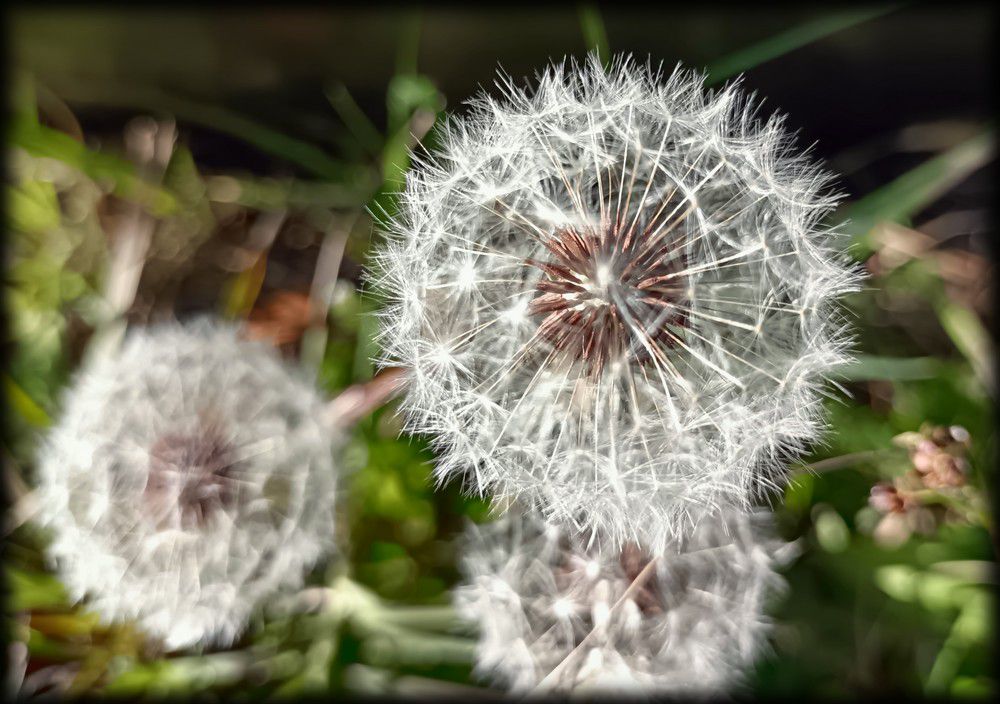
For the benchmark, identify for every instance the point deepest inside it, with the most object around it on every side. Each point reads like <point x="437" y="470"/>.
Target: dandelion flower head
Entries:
<point x="615" y="298"/>
<point x="559" y="612"/>
<point x="188" y="478"/>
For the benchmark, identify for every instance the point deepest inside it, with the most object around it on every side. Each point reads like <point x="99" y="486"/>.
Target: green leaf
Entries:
<point x="973" y="624"/>
<point x="934" y="590"/>
<point x="832" y="532"/>
<point x="898" y="581"/>
<point x="940" y="592"/>
<point x="916" y="189"/>
<point x="136" y="679"/>
<point x="65" y="625"/>
<point x="973" y="688"/>
<point x="42" y="141"/>
<point x="790" y="40"/>
<point x="242" y="290"/>
<point x="972" y="571"/>
<point x="33" y="590"/>
<point x="798" y="493"/>
<point x="44" y="648"/>
<point x="406" y="94"/>
<point x="182" y="178"/>
<point x="25" y="406"/>
<point x="33" y="207"/>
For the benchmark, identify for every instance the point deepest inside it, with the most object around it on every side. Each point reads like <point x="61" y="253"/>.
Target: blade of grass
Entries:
<point x="949" y="658"/>
<point x="23" y="99"/>
<point x="242" y="292"/>
<point x="302" y="153"/>
<point x="409" y="45"/>
<point x="284" y="194"/>
<point x="243" y="289"/>
<point x="906" y="196"/>
<point x="25" y="406"/>
<point x="889" y="368"/>
<point x="57" y="113"/>
<point x="916" y="189"/>
<point x="969" y="336"/>
<point x="595" y="34"/>
<point x="396" y="154"/>
<point x="355" y="119"/>
<point x="42" y="141"/>
<point x="790" y="40"/>
<point x="33" y="590"/>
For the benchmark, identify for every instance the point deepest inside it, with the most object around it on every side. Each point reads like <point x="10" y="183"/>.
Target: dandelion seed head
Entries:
<point x="693" y="627"/>
<point x="637" y="291"/>
<point x="187" y="479"/>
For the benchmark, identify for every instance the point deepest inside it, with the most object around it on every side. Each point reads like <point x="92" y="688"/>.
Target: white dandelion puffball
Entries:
<point x="189" y="477"/>
<point x="556" y="611"/>
<point x="614" y="299"/>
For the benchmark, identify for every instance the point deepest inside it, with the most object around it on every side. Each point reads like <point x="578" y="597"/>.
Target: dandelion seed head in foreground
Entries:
<point x="695" y="624"/>
<point x="615" y="299"/>
<point x="188" y="478"/>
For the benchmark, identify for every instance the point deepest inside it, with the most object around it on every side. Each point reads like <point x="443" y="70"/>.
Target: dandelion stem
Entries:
<point x="150" y="146"/>
<point x="357" y="401"/>
<point x="842" y="461"/>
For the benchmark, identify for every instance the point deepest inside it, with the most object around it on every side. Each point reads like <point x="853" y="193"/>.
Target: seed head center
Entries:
<point x="191" y="477"/>
<point x="607" y="295"/>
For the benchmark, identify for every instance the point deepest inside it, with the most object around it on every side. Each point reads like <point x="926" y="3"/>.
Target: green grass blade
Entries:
<point x="354" y="118"/>
<point x="408" y="49"/>
<point x="866" y="367"/>
<point x="25" y="406"/>
<point x="595" y="34"/>
<point x="33" y="590"/>
<point x="792" y="39"/>
<point x="304" y="154"/>
<point x="969" y="336"/>
<point x="916" y="189"/>
<point x="23" y="99"/>
<point x="39" y="140"/>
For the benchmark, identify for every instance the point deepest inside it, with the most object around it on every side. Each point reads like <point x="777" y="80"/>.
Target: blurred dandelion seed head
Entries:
<point x="693" y="626"/>
<point x="615" y="299"/>
<point x="188" y="478"/>
<point x="191" y="476"/>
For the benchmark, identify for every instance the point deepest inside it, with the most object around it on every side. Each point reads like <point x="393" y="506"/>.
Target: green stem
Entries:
<point x="595" y="34"/>
<point x="398" y="647"/>
<point x="842" y="461"/>
<point x="424" y="618"/>
<point x="947" y="662"/>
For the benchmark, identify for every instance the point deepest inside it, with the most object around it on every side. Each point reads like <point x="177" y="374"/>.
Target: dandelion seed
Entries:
<point x="693" y="626"/>
<point x="637" y="297"/>
<point x="187" y="479"/>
